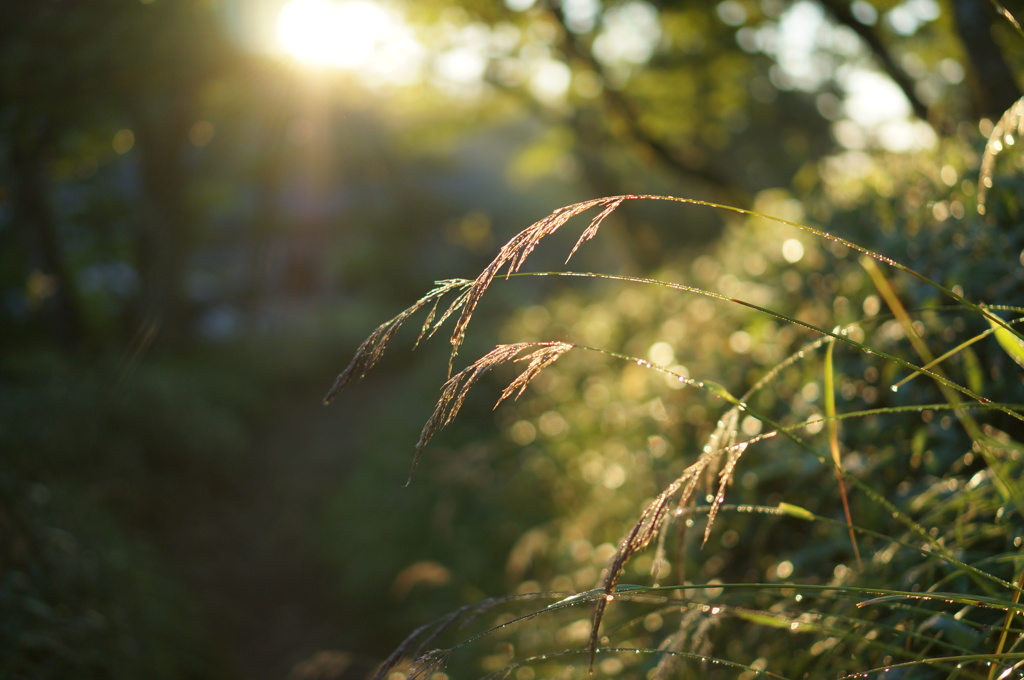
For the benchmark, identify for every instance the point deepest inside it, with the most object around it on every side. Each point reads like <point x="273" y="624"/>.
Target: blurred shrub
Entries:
<point x="99" y="464"/>
<point x="593" y="441"/>
<point x="80" y="598"/>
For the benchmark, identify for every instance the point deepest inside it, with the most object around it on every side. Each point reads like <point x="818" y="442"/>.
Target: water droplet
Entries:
<point x="800" y="354"/>
<point x="895" y="388"/>
<point x="609" y="598"/>
<point x="716" y="610"/>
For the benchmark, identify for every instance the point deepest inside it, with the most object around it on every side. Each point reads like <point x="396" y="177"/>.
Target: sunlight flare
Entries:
<point x="352" y="34"/>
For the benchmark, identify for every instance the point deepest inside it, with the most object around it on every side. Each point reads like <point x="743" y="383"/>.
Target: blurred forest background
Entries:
<point x="205" y="205"/>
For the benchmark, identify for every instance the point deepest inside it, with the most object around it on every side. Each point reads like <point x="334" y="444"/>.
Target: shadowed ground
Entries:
<point x="249" y="555"/>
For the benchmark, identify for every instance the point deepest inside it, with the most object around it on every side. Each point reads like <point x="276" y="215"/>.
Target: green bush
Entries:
<point x="100" y="463"/>
<point x="760" y="437"/>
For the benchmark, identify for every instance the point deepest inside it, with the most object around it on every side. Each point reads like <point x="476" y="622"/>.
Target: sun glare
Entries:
<point x="349" y="34"/>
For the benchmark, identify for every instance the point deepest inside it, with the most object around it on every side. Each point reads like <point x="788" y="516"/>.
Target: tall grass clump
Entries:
<point x="797" y="455"/>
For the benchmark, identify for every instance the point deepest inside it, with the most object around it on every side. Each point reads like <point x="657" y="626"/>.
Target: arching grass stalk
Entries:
<point x="834" y="335"/>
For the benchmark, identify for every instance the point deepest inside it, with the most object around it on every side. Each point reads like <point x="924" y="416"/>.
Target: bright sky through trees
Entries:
<point x="371" y="39"/>
<point x="360" y="35"/>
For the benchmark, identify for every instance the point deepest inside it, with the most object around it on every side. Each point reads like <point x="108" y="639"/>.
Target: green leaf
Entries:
<point x="765" y="619"/>
<point x="1010" y="343"/>
<point x="974" y="372"/>
<point x="796" y="511"/>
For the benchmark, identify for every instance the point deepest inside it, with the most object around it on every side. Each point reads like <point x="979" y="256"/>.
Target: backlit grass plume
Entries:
<point x="455" y="389"/>
<point x="372" y="349"/>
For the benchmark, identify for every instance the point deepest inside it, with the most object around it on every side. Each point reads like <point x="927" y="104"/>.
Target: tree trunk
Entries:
<point x="51" y="289"/>
<point x="167" y="233"/>
<point x="993" y="87"/>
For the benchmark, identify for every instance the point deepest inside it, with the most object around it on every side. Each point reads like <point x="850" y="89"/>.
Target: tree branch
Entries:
<point x="690" y="163"/>
<point x="840" y="11"/>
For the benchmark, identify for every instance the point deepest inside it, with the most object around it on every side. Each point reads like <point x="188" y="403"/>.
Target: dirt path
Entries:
<point x="248" y="554"/>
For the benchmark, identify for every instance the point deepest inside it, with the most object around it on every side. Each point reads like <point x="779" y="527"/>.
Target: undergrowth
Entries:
<point x="103" y="463"/>
<point x="816" y="435"/>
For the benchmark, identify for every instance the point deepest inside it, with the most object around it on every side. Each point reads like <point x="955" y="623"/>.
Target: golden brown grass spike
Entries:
<point x="721" y="442"/>
<point x="455" y="389"/>
<point x="638" y="538"/>
<point x="539" y="359"/>
<point x="595" y="224"/>
<point x="1008" y="130"/>
<point x="372" y="349"/>
<point x="513" y="254"/>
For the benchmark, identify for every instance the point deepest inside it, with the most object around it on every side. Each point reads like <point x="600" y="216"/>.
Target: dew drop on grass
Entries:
<point x="895" y="388"/>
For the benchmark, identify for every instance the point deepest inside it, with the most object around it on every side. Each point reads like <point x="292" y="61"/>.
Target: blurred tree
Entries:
<point x="722" y="101"/>
<point x="992" y="86"/>
<point x="714" y="102"/>
<point x="169" y="57"/>
<point x="70" y="75"/>
<point x="40" y="99"/>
